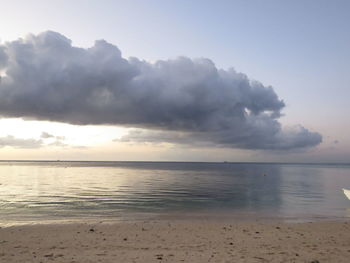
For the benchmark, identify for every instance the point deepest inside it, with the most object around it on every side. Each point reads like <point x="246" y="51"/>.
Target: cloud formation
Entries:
<point x="180" y="100"/>
<point x="58" y="140"/>
<point x="20" y="143"/>
<point x="46" y="135"/>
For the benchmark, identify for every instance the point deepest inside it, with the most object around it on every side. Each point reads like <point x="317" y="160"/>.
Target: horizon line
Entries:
<point x="143" y="161"/>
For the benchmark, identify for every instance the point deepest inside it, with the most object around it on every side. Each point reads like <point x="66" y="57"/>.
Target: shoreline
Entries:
<point x="210" y="216"/>
<point x="169" y="240"/>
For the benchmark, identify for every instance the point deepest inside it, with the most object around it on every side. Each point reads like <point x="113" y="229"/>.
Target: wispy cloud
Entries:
<point x="180" y="100"/>
<point x="46" y="135"/>
<point x="14" y="142"/>
<point x="58" y="140"/>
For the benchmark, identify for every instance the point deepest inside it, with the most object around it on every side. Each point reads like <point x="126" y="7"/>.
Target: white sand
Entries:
<point x="177" y="241"/>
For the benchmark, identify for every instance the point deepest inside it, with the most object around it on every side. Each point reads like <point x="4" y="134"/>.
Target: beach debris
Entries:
<point x="92" y="230"/>
<point x="49" y="255"/>
<point x="125" y="239"/>
<point x="315" y="261"/>
<point x="159" y="256"/>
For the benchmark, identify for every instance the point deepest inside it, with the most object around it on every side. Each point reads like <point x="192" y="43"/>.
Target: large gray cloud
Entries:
<point x="47" y="78"/>
<point x="3" y="58"/>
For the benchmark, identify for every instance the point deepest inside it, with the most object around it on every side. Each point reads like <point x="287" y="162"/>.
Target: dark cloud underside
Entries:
<point x="180" y="100"/>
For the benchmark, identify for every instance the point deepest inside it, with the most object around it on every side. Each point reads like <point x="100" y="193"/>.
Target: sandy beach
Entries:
<point x="177" y="241"/>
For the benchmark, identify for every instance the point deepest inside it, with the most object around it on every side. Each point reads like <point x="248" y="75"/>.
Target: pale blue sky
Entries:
<point x="301" y="48"/>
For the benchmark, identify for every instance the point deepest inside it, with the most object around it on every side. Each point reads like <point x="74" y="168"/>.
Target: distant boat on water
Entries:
<point x="347" y="193"/>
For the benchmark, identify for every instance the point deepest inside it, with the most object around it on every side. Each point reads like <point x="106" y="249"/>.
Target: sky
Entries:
<point x="175" y="80"/>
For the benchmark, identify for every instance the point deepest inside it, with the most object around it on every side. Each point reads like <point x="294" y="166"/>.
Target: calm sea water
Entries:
<point x="45" y="191"/>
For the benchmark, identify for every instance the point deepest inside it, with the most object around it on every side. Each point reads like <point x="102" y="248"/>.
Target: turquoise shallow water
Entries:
<point x="46" y="191"/>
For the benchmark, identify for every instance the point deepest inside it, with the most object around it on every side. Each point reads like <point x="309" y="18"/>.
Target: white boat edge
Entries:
<point x="347" y="193"/>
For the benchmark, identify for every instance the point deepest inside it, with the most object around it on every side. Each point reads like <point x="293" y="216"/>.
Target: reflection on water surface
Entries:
<point x="68" y="190"/>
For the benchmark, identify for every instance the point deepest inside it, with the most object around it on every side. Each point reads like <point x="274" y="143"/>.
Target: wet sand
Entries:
<point x="177" y="241"/>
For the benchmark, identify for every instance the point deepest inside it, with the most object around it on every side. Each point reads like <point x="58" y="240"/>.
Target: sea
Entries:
<point x="62" y="191"/>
